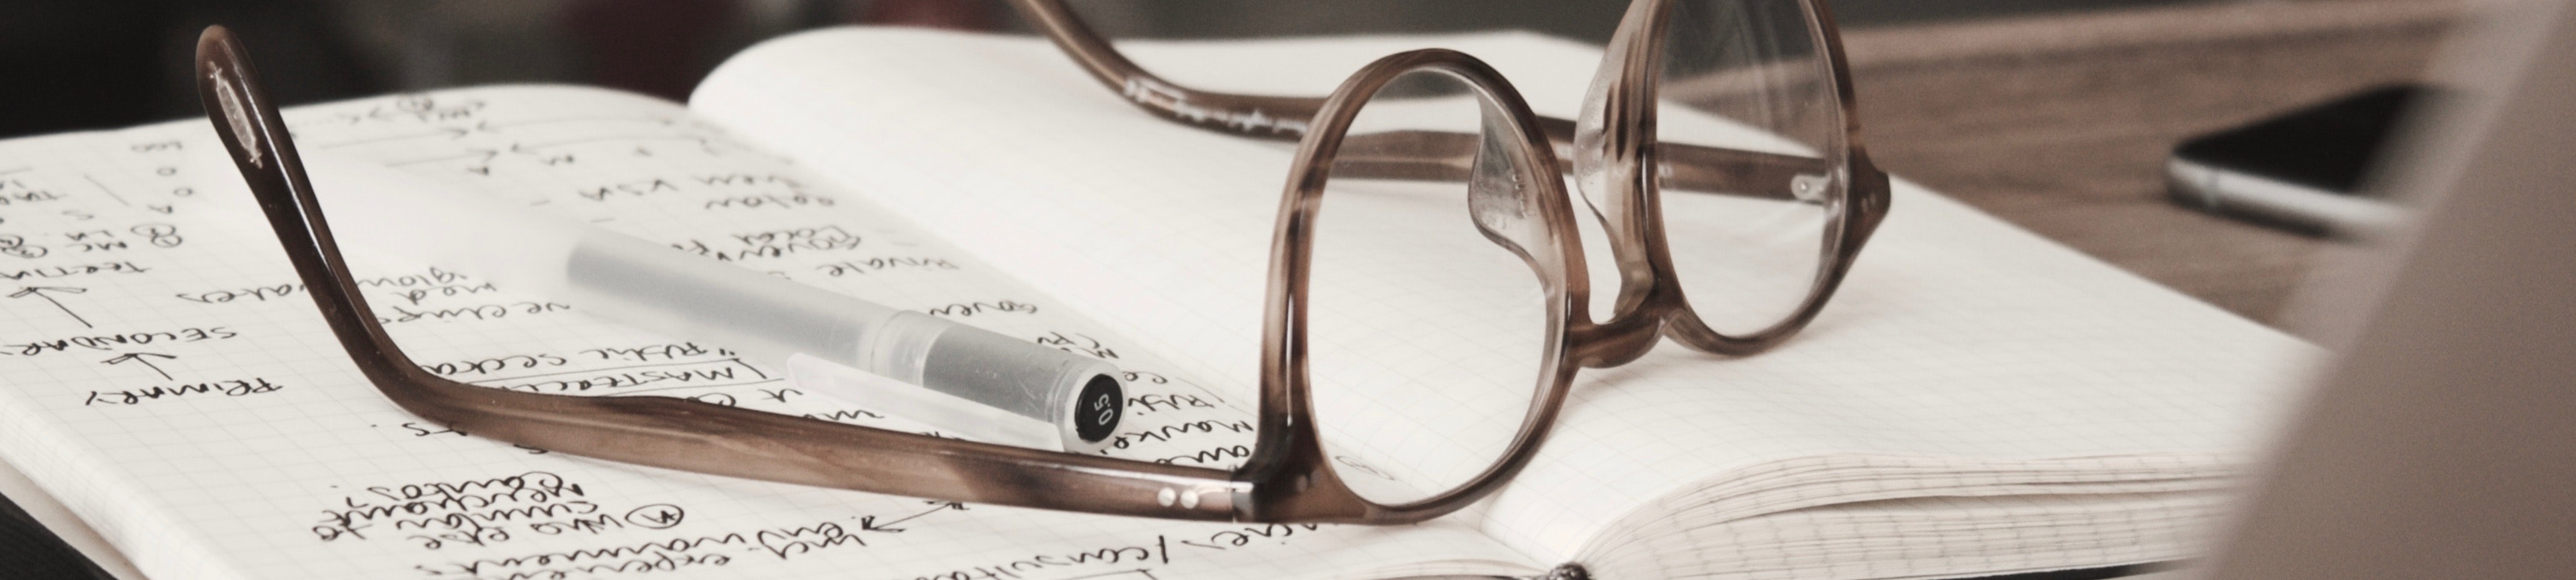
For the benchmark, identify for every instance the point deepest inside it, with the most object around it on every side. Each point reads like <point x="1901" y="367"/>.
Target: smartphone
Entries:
<point x="2301" y="170"/>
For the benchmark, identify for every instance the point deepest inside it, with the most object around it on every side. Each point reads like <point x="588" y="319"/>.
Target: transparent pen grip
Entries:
<point x="790" y="325"/>
<point x="764" y="318"/>
<point x="770" y="319"/>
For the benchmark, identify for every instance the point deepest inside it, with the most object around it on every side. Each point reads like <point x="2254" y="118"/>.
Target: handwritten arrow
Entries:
<point x="451" y="133"/>
<point x="870" y="523"/>
<point x="480" y="155"/>
<point x="39" y="292"/>
<point x="491" y="127"/>
<point x="138" y="357"/>
<point x="102" y="188"/>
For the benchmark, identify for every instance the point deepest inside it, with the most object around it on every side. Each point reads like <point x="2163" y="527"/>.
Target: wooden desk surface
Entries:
<point x="2062" y="124"/>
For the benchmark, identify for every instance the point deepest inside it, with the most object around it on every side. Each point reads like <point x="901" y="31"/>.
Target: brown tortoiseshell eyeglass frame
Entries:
<point x="1288" y="478"/>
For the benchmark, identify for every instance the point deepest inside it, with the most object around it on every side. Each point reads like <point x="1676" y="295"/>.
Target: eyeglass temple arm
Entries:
<point x="1279" y="118"/>
<point x="1445" y="156"/>
<point x="661" y="431"/>
<point x="1686" y="167"/>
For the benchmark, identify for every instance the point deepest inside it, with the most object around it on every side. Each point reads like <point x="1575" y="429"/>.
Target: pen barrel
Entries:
<point x="771" y="320"/>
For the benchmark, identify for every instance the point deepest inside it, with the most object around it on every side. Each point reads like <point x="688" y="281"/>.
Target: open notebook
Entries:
<point x="1978" y="400"/>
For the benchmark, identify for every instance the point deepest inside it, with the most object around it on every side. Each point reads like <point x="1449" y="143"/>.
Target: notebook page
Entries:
<point x="172" y="384"/>
<point x="1958" y="336"/>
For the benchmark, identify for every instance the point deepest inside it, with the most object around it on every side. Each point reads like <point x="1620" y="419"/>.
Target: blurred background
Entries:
<point x="106" y="63"/>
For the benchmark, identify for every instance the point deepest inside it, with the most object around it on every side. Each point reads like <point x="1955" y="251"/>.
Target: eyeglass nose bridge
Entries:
<point x="1617" y="341"/>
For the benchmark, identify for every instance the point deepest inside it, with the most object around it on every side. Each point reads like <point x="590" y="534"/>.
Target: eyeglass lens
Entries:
<point x="1747" y="74"/>
<point x="1428" y="341"/>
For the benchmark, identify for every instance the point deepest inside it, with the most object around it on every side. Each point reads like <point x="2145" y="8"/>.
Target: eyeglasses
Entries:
<point x="1771" y="200"/>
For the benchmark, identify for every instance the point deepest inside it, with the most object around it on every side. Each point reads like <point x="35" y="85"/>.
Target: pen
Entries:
<point x="959" y="379"/>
